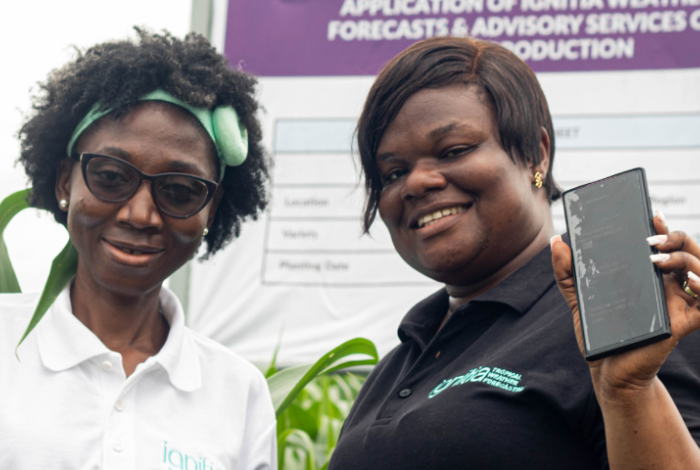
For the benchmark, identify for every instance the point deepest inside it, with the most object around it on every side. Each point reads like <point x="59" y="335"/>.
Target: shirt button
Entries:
<point x="405" y="392"/>
<point x="106" y="365"/>
<point x="118" y="446"/>
<point x="120" y="406"/>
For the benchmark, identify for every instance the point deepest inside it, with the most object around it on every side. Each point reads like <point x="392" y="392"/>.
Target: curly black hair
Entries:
<point x="116" y="74"/>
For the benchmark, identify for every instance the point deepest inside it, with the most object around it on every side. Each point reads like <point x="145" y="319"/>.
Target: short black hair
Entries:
<point x="116" y="74"/>
<point x="510" y="86"/>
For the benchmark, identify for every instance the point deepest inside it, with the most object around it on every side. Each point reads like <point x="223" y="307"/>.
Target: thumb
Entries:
<point x="563" y="273"/>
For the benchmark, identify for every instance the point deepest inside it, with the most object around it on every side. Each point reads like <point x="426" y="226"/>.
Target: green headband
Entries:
<point x="222" y="124"/>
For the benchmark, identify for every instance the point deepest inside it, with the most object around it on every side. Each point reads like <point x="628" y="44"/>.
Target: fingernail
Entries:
<point x="662" y="217"/>
<point x="659" y="257"/>
<point x="657" y="240"/>
<point x="554" y="239"/>
<point x="693" y="277"/>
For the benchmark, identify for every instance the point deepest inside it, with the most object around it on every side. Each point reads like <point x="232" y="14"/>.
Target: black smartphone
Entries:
<point x="622" y="304"/>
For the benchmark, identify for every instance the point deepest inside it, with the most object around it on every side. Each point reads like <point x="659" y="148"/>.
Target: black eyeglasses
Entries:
<point x="176" y="194"/>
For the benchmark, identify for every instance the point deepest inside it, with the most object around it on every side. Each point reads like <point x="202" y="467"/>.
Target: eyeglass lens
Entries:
<point x="113" y="181"/>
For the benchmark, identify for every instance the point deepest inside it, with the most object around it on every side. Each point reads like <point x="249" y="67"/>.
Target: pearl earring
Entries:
<point x="63" y="203"/>
<point x="206" y="231"/>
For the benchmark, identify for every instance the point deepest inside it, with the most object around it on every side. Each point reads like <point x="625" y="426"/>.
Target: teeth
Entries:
<point x="131" y="252"/>
<point x="430" y="219"/>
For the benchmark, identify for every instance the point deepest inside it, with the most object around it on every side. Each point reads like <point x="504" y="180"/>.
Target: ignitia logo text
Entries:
<point x="174" y="459"/>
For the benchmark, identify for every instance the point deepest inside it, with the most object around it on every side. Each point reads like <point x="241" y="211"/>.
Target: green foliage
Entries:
<point x="62" y="268"/>
<point x="312" y="402"/>
<point x="62" y="271"/>
<point x="308" y="430"/>
<point x="288" y="383"/>
<point x="9" y="207"/>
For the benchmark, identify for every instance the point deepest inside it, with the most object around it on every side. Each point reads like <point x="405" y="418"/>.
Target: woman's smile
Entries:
<point x="430" y="219"/>
<point x="453" y="198"/>
<point x="130" y="245"/>
<point x="127" y="254"/>
<point x="436" y="221"/>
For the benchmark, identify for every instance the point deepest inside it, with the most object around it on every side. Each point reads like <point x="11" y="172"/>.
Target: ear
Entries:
<point x="214" y="205"/>
<point x="545" y="146"/>
<point x="63" y="180"/>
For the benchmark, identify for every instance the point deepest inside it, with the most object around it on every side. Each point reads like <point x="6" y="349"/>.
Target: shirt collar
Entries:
<point x="525" y="286"/>
<point x="520" y="291"/>
<point x="64" y="341"/>
<point x="179" y="356"/>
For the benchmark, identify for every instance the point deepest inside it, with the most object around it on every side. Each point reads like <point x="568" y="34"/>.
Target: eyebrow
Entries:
<point x="175" y="166"/>
<point x="116" y="152"/>
<point x="384" y="156"/>
<point x="434" y="134"/>
<point x="442" y="130"/>
<point x="180" y="165"/>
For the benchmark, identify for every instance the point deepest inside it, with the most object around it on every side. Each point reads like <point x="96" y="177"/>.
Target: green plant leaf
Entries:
<point x="9" y="207"/>
<point x="281" y="446"/>
<point x="272" y="368"/>
<point x="286" y="384"/>
<point x="299" y="439"/>
<point x="296" y="417"/>
<point x="319" y="410"/>
<point x="62" y="271"/>
<point x="302" y="440"/>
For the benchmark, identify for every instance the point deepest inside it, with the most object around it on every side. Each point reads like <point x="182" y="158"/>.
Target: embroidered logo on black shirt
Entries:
<point x="495" y="377"/>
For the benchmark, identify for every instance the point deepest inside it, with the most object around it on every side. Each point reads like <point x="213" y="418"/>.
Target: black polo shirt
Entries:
<point x="501" y="386"/>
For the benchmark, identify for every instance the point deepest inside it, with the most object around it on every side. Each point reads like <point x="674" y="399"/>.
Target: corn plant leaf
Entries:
<point x="299" y="439"/>
<point x="296" y="417"/>
<point x="272" y="368"/>
<point x="286" y="384"/>
<point x="62" y="271"/>
<point x="281" y="446"/>
<point x="9" y="207"/>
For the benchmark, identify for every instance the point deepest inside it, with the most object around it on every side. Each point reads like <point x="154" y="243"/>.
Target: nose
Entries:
<point x="140" y="210"/>
<point x="423" y="178"/>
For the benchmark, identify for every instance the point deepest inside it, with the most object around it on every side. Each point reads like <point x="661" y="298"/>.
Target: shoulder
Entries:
<point x="17" y="304"/>
<point x="220" y="361"/>
<point x="548" y="324"/>
<point x="15" y="312"/>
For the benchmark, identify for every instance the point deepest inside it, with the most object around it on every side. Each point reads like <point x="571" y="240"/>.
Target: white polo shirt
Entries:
<point x="67" y="403"/>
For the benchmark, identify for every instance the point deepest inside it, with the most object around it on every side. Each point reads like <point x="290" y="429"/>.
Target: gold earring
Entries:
<point x="63" y="203"/>
<point x="538" y="180"/>
<point x="206" y="231"/>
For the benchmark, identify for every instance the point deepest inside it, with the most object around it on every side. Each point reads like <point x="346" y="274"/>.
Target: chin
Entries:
<point x="130" y="286"/>
<point x="443" y="268"/>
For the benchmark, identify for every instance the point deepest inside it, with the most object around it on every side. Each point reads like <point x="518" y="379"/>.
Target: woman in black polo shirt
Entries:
<point x="457" y="145"/>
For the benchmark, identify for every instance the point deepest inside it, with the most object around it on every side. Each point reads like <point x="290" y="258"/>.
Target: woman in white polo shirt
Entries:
<point x="144" y="149"/>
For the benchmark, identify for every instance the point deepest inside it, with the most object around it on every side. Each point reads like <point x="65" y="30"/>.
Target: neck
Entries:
<point x="461" y="294"/>
<point x="125" y="324"/>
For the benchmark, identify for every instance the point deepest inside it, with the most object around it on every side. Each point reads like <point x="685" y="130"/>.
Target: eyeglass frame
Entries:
<point x="85" y="158"/>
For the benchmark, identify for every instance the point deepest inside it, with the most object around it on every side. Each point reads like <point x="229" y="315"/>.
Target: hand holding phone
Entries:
<point x="643" y="425"/>
<point x="638" y="367"/>
<point x="620" y="292"/>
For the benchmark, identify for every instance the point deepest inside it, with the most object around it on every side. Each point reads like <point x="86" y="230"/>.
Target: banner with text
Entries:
<point x="304" y="271"/>
<point x="357" y="37"/>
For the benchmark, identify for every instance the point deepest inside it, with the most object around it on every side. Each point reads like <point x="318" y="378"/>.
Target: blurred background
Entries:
<point x="622" y="81"/>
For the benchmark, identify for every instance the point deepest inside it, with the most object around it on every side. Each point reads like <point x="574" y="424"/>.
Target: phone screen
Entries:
<point x="620" y="291"/>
